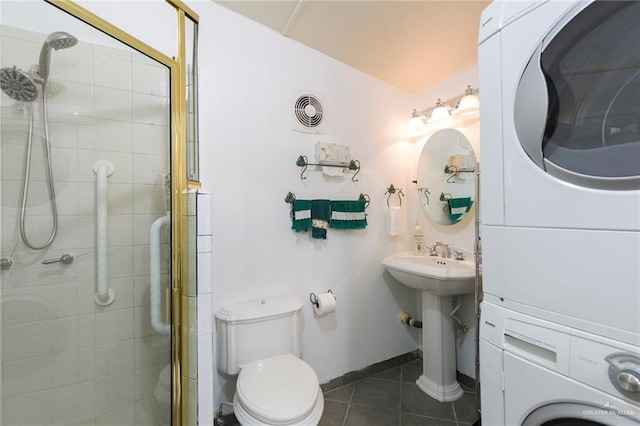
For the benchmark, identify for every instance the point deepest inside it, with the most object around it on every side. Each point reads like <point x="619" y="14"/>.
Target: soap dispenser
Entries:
<point x="418" y="240"/>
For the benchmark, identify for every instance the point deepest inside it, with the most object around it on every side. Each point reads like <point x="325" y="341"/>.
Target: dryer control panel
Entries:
<point x="610" y="366"/>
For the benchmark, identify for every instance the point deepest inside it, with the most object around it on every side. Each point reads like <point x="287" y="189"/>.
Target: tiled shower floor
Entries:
<point x="391" y="398"/>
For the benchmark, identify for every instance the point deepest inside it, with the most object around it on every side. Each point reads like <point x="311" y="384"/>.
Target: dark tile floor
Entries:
<point x="392" y="398"/>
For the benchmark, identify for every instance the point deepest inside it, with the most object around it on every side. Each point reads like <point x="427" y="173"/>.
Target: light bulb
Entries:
<point x="415" y="126"/>
<point x="469" y="105"/>
<point x="440" y="115"/>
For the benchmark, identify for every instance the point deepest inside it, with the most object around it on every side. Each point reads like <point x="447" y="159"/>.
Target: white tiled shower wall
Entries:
<point x="65" y="359"/>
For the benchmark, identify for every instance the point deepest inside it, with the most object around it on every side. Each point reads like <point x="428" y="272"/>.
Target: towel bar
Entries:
<point x="304" y="163"/>
<point x="290" y="198"/>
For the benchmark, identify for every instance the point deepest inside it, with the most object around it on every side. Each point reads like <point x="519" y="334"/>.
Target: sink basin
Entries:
<point x="438" y="280"/>
<point x="439" y="276"/>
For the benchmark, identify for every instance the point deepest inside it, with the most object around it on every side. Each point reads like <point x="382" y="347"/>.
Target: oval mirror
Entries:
<point x="445" y="176"/>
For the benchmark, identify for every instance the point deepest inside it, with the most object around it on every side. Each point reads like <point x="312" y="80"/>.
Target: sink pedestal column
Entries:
<point x="438" y="379"/>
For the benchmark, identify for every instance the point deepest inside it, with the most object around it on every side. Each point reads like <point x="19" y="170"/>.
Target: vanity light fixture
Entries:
<point x="416" y="125"/>
<point x="440" y="116"/>
<point x="461" y="107"/>
<point x="469" y="105"/>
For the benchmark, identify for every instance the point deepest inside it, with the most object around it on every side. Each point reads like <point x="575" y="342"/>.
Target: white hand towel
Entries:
<point x="395" y="224"/>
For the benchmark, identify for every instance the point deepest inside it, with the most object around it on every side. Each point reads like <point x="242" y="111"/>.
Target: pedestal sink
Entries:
<point x="438" y="279"/>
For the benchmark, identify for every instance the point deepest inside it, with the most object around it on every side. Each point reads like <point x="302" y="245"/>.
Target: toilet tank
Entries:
<point x="250" y="331"/>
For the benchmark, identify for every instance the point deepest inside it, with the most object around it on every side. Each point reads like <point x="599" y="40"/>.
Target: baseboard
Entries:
<point x="354" y="376"/>
<point x="465" y="380"/>
<point x="227" y="420"/>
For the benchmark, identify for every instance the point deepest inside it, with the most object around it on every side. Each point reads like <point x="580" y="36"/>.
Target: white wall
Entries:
<point x="247" y="156"/>
<point x="462" y="233"/>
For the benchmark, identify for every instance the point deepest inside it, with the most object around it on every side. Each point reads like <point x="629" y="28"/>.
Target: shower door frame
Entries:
<point x="180" y="184"/>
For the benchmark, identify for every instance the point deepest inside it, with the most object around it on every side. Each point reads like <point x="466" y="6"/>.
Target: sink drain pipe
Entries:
<point x="406" y="319"/>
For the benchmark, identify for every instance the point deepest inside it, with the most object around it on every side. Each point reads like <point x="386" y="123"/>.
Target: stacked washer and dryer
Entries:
<point x="560" y="212"/>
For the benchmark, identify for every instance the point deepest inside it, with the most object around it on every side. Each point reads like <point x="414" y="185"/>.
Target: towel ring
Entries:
<point x="392" y="190"/>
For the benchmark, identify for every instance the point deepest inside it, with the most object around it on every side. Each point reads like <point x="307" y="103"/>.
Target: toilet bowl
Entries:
<point x="261" y="341"/>
<point x="282" y="390"/>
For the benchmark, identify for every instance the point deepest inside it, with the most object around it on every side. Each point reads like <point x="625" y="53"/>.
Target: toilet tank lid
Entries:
<point x="259" y="309"/>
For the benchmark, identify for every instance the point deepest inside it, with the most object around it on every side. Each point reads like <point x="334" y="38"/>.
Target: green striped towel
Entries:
<point x="458" y="207"/>
<point x="301" y="215"/>
<point x="348" y="215"/>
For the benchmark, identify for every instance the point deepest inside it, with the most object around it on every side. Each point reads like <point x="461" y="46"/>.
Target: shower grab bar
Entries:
<point x="159" y="325"/>
<point x="104" y="295"/>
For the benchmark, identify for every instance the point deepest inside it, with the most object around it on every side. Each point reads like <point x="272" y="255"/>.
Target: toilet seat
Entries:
<point x="282" y="390"/>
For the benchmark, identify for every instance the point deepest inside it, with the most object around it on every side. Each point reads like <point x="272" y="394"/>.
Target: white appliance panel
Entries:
<point x="489" y="21"/>
<point x="580" y="274"/>
<point x="501" y="13"/>
<point x="492" y="201"/>
<point x="491" y="397"/>
<point x="512" y="10"/>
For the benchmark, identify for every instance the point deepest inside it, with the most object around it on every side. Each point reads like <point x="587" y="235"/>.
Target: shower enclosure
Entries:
<point x="85" y="142"/>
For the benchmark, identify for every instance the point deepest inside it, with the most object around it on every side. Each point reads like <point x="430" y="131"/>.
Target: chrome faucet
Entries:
<point x="444" y="249"/>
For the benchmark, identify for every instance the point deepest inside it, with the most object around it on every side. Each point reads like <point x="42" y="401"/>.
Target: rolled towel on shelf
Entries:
<point x="395" y="224"/>
<point x="348" y="214"/>
<point x="320" y="216"/>
<point x="301" y="215"/>
<point x="333" y="154"/>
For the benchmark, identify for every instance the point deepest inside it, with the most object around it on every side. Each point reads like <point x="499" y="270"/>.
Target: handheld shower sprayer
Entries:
<point x="22" y="86"/>
<point x="57" y="40"/>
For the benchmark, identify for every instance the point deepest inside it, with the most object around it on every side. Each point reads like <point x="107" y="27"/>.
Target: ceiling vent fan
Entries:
<point x="309" y="113"/>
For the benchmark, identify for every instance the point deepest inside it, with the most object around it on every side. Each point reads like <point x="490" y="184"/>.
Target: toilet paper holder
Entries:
<point x="314" y="299"/>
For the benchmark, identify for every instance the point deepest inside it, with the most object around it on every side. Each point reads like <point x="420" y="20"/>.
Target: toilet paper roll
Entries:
<point x="326" y="304"/>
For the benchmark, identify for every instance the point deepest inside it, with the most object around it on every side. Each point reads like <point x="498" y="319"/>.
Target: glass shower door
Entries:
<point x="85" y="225"/>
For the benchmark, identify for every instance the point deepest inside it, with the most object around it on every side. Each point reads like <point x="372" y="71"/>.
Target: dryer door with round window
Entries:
<point x="586" y="76"/>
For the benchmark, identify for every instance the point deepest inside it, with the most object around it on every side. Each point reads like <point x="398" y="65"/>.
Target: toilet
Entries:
<point x="261" y="341"/>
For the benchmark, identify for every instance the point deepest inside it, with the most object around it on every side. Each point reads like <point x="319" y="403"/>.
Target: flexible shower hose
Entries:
<point x="27" y="172"/>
